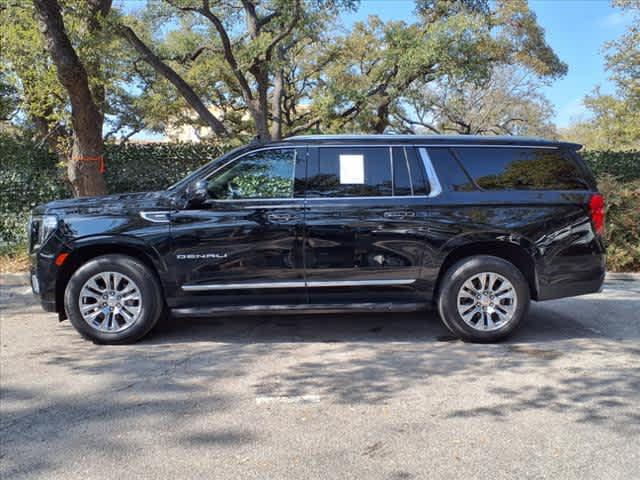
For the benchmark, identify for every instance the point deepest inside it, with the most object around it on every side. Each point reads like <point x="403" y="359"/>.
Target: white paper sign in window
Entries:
<point x="351" y="169"/>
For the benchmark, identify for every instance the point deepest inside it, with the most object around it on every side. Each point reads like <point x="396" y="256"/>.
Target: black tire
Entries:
<point x="151" y="295"/>
<point x="466" y="269"/>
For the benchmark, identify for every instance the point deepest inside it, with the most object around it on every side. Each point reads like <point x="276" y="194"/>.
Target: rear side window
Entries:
<point x="449" y="170"/>
<point x="350" y="172"/>
<point x="521" y="169"/>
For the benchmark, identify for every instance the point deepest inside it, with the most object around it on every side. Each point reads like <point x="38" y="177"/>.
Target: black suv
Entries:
<point x="476" y="226"/>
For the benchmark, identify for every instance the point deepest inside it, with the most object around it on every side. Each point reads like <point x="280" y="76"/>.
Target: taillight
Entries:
<point x="596" y="208"/>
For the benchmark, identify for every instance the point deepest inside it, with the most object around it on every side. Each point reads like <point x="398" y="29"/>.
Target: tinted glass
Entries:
<point x="263" y="174"/>
<point x="418" y="175"/>
<point x="449" y="171"/>
<point x="521" y="169"/>
<point x="402" y="185"/>
<point x="350" y="172"/>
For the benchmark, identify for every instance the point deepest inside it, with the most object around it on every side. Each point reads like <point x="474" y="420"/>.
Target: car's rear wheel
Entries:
<point x="483" y="298"/>
<point x="113" y="299"/>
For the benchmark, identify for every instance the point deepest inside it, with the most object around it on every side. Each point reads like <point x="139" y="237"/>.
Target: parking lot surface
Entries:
<point x="361" y="396"/>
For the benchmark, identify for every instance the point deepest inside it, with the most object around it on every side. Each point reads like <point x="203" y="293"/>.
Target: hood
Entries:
<point x="106" y="204"/>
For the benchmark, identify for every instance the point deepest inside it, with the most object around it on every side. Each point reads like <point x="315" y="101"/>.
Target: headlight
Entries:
<point x="40" y="229"/>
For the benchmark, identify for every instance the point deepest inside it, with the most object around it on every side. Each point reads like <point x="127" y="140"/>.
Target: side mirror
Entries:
<point x="197" y="193"/>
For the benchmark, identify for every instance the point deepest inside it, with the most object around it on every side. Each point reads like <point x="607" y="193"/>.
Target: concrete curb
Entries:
<point x="22" y="278"/>
<point x="628" y="276"/>
<point x="13" y="279"/>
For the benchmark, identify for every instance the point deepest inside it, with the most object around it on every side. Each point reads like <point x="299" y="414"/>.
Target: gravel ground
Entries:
<point x="326" y="396"/>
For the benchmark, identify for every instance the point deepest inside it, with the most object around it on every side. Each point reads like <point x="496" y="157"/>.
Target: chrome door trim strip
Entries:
<point x="240" y="286"/>
<point x="360" y="283"/>
<point x="298" y="308"/>
<point x="301" y="284"/>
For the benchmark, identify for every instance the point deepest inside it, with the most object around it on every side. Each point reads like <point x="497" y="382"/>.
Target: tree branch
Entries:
<point x="304" y="126"/>
<point x="285" y="32"/>
<point x="167" y="72"/>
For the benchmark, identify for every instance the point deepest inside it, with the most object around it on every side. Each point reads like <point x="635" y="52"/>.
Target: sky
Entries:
<point x="575" y="29"/>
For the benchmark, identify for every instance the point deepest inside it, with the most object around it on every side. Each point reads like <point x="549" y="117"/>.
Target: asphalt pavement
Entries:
<point x="358" y="396"/>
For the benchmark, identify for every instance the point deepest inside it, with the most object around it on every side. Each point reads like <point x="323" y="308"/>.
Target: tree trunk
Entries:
<point x="382" y="118"/>
<point x="259" y="107"/>
<point x="86" y="118"/>
<point x="276" y="105"/>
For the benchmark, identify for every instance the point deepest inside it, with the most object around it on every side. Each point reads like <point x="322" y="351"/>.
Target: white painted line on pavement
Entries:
<point x="263" y="400"/>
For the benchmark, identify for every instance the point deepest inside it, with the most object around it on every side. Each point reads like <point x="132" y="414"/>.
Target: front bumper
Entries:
<point x="43" y="275"/>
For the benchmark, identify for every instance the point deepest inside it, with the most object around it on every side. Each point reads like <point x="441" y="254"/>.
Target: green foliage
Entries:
<point x="142" y="167"/>
<point x="623" y="220"/>
<point x="623" y="166"/>
<point x="379" y="64"/>
<point x="28" y="176"/>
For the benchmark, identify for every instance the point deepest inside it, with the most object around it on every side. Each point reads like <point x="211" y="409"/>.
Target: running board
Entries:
<point x="297" y="309"/>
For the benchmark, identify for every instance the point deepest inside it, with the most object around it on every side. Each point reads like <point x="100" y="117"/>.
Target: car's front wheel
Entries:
<point x="483" y="298"/>
<point x="113" y="299"/>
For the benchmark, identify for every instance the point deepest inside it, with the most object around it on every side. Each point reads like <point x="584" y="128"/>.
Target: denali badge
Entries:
<point x="199" y="256"/>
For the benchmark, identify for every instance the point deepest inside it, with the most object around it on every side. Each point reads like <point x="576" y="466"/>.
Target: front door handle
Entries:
<point x="280" y="217"/>
<point x="400" y="214"/>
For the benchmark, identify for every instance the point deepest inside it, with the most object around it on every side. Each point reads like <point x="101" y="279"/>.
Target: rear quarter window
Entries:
<point x="521" y="168"/>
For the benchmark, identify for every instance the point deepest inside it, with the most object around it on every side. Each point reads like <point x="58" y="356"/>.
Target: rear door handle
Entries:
<point x="280" y="217"/>
<point x="400" y="214"/>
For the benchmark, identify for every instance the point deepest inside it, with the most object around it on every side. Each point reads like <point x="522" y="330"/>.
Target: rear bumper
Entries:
<point x="572" y="289"/>
<point x="582" y="276"/>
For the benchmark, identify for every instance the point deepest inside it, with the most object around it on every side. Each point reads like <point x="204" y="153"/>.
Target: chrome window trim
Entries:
<point x="299" y="284"/>
<point x="312" y="199"/>
<point x="431" y="174"/>
<point x="415" y="145"/>
<point x="435" y="188"/>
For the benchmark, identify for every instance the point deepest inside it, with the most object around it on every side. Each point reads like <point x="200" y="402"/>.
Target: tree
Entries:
<point x="87" y="116"/>
<point x="43" y="109"/>
<point x="41" y="99"/>
<point x="378" y="63"/>
<point x="615" y="122"/>
<point x="8" y="98"/>
<point x="246" y="40"/>
<point x="509" y="102"/>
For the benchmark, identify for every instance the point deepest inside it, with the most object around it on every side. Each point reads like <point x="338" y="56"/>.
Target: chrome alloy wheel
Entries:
<point x="487" y="301"/>
<point x="110" y="302"/>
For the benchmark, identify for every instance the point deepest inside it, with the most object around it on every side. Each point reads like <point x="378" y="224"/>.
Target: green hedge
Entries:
<point x="142" y="167"/>
<point x="623" y="166"/>
<point x="30" y="175"/>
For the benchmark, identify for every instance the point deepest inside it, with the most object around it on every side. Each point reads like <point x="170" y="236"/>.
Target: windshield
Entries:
<point x="200" y="170"/>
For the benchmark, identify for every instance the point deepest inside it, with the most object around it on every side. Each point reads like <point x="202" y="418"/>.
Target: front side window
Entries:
<point x="261" y="174"/>
<point x="521" y="168"/>
<point x="350" y="172"/>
